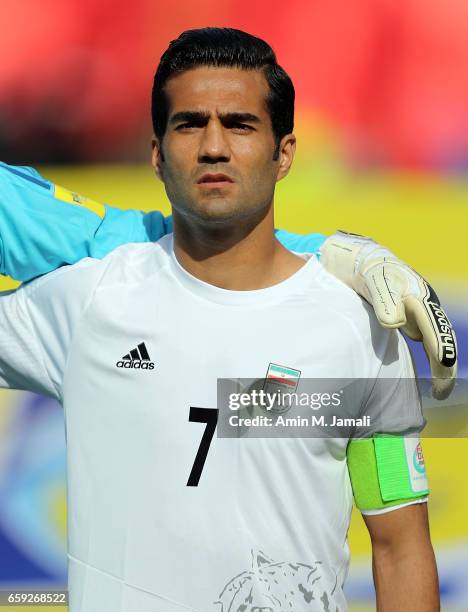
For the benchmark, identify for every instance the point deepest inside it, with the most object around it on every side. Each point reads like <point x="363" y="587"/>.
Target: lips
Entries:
<point x="215" y="178"/>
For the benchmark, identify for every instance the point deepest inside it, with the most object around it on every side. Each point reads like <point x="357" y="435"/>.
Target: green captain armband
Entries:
<point x="386" y="470"/>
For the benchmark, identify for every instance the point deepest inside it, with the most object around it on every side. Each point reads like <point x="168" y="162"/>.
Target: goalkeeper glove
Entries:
<point x="400" y="297"/>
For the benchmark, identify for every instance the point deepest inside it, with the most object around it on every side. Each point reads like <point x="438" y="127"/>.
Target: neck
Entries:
<point x="240" y="256"/>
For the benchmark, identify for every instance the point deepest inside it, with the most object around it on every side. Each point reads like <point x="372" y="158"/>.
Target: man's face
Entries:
<point x="216" y="158"/>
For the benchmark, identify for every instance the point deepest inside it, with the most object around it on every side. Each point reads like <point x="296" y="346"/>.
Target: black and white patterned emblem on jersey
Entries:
<point x="137" y="359"/>
<point x="277" y="586"/>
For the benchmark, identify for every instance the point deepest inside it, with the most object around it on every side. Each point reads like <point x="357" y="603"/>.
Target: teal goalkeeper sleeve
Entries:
<point x="44" y="226"/>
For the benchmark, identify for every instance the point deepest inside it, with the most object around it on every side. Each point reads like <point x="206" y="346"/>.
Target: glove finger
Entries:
<point x="436" y="329"/>
<point x="384" y="292"/>
<point x="443" y="379"/>
<point x="438" y="338"/>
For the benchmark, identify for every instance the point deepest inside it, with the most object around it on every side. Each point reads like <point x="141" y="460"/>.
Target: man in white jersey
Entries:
<point x="163" y="515"/>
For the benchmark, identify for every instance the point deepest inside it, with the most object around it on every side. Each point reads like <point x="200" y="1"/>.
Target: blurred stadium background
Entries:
<point x="382" y="126"/>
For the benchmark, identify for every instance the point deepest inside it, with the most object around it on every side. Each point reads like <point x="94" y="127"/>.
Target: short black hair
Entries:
<point x="225" y="47"/>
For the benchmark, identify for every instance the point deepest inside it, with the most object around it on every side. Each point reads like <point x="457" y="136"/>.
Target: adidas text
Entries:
<point x="136" y="365"/>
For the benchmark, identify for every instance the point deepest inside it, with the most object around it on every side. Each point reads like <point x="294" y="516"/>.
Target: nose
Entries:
<point x="214" y="146"/>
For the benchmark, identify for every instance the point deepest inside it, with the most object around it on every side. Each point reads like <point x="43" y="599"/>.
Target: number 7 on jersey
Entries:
<point x="210" y="417"/>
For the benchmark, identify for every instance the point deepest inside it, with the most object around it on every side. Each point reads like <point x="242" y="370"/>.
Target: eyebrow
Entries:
<point x="204" y="116"/>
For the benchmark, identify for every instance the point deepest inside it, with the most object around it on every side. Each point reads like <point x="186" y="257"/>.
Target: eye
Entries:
<point x="243" y="127"/>
<point x="186" y="126"/>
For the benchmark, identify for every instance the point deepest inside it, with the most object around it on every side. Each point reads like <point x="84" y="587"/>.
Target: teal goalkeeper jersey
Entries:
<point x="44" y="226"/>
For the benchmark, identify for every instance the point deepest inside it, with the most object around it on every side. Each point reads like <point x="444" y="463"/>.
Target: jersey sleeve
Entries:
<point x="120" y="227"/>
<point x="385" y="457"/>
<point x="44" y="226"/>
<point x="37" y="325"/>
<point x="301" y="243"/>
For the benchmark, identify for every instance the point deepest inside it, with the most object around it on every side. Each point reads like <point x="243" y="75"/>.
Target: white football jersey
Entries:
<point x="129" y="345"/>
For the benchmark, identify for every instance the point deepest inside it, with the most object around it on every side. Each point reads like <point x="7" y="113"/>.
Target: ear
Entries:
<point x="259" y="559"/>
<point x="287" y="149"/>
<point x="157" y="158"/>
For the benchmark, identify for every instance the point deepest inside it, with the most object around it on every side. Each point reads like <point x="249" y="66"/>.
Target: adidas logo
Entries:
<point x="138" y="359"/>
